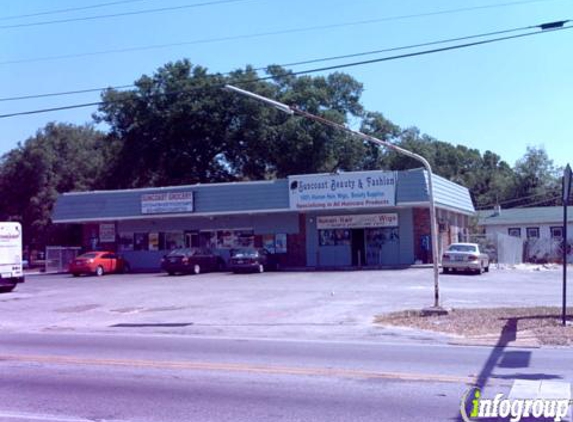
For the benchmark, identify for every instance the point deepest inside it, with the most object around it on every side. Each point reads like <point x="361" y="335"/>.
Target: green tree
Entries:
<point x="179" y="126"/>
<point x="59" y="158"/>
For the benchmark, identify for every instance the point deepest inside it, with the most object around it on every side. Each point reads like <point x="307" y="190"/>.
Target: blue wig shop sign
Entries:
<point x="371" y="189"/>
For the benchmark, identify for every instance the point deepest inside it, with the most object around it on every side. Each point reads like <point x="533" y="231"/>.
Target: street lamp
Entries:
<point x="435" y="309"/>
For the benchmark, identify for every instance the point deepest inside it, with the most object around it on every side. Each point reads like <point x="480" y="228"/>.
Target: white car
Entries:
<point x="465" y="257"/>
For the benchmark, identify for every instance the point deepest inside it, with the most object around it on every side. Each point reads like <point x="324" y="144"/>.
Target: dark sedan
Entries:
<point x="252" y="259"/>
<point x="191" y="261"/>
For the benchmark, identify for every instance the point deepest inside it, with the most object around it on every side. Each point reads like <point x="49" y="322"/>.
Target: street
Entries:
<point x="270" y="347"/>
<point x="63" y="377"/>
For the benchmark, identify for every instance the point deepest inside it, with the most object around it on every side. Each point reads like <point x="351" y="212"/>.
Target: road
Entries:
<point x="103" y="377"/>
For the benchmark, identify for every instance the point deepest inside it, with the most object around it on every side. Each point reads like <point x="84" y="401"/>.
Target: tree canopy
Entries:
<point x="179" y="126"/>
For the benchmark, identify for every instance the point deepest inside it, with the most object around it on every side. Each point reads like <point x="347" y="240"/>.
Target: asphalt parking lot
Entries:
<point x="326" y="305"/>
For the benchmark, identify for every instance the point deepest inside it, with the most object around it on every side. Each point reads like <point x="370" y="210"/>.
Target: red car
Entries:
<point x="98" y="263"/>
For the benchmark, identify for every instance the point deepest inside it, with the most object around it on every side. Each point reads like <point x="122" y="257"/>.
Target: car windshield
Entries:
<point x="247" y="252"/>
<point x="89" y="255"/>
<point x="462" y="248"/>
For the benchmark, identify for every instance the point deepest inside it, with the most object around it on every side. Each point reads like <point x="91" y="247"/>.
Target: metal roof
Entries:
<point x="243" y="197"/>
<point x="518" y="216"/>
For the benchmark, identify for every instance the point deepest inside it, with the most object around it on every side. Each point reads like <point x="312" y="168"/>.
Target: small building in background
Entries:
<point x="539" y="228"/>
<point x="355" y="219"/>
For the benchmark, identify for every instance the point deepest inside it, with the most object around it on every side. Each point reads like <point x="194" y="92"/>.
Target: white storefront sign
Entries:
<point x="107" y="232"/>
<point x="359" y="221"/>
<point x="166" y="202"/>
<point x="347" y="190"/>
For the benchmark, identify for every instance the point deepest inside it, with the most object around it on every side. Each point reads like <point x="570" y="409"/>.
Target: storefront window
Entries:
<point x="174" y="240"/>
<point x="228" y="239"/>
<point x="244" y="238"/>
<point x="334" y="237"/>
<point x="140" y="242"/>
<point x="125" y="242"/>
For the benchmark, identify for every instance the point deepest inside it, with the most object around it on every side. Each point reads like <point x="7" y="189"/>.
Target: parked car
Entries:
<point x="252" y="259"/>
<point x="98" y="263"/>
<point x="191" y="261"/>
<point x="466" y="257"/>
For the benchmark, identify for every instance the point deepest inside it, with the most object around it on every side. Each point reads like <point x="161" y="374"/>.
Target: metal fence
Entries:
<point x="511" y="250"/>
<point x="501" y="248"/>
<point x="59" y="257"/>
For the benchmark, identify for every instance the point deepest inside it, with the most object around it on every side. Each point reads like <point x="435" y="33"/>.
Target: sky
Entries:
<point x="501" y="96"/>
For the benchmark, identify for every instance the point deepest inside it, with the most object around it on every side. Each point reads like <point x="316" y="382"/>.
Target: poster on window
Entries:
<point x="269" y="242"/>
<point x="244" y="238"/>
<point x="225" y="239"/>
<point x="280" y="243"/>
<point x="153" y="241"/>
<point x="107" y="232"/>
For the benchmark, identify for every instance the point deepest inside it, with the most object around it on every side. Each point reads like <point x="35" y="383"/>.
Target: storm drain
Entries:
<point x="159" y="324"/>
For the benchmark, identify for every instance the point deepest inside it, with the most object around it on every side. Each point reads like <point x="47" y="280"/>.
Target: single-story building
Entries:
<point x="354" y="219"/>
<point x="540" y="228"/>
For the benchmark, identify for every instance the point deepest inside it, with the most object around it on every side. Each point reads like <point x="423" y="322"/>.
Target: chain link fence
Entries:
<point x="59" y="257"/>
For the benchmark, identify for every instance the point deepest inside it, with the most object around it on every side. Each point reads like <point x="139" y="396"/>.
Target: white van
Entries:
<point x="11" y="271"/>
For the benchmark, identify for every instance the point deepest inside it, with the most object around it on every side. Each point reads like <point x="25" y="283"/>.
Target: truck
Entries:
<point x="11" y="268"/>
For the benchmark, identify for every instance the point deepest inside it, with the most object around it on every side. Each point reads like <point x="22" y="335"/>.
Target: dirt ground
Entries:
<point x="498" y="326"/>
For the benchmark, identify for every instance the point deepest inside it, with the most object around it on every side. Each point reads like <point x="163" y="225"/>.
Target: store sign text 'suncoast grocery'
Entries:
<point x="347" y="190"/>
<point x="166" y="202"/>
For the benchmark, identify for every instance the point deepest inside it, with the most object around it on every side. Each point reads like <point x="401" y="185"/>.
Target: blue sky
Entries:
<point x="502" y="97"/>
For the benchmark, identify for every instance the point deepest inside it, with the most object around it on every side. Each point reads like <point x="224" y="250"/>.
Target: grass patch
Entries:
<point x="540" y="325"/>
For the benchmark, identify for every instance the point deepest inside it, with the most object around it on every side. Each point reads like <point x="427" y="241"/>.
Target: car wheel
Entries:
<point x="75" y="274"/>
<point x="479" y="271"/>
<point x="196" y="269"/>
<point x="261" y="268"/>
<point x="99" y="271"/>
<point x="170" y="273"/>
<point x="126" y="268"/>
<point x="7" y="289"/>
<point x="487" y="268"/>
<point x="445" y="270"/>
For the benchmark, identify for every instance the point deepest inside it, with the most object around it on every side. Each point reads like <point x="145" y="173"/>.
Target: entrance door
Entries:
<point x="358" y="247"/>
<point x="191" y="239"/>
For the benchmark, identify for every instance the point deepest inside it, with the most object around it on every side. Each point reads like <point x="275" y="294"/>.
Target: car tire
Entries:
<point x="7" y="289"/>
<point x="445" y="270"/>
<point x="126" y="268"/>
<point x="99" y="271"/>
<point x="170" y="273"/>
<point x="487" y="268"/>
<point x="196" y="269"/>
<point x="75" y="274"/>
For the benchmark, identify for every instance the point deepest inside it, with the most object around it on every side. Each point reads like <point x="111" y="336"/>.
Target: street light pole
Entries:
<point x="433" y="230"/>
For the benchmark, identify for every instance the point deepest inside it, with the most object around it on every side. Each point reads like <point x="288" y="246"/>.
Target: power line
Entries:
<point x="510" y="201"/>
<point x="550" y="199"/>
<point x="115" y="15"/>
<point x="70" y="9"/>
<point x="311" y="61"/>
<point x="163" y="9"/>
<point x="255" y="35"/>
<point x="315" y="70"/>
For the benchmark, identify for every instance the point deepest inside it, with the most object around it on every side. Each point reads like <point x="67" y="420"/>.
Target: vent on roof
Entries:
<point x="496" y="210"/>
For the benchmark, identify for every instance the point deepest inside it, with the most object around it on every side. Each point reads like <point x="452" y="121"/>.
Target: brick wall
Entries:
<point x="421" y="228"/>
